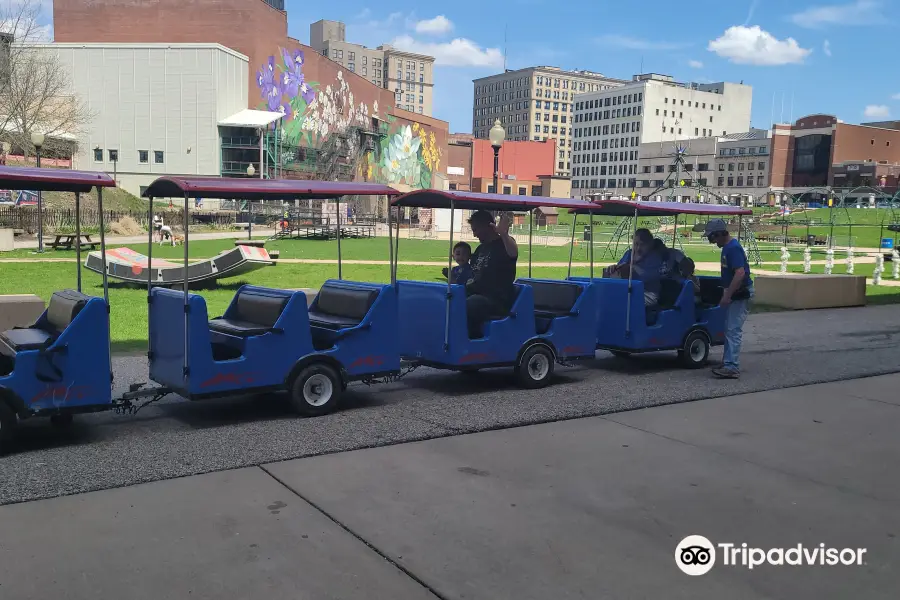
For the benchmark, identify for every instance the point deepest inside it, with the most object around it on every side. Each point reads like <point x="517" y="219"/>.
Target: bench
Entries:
<point x="64" y="307"/>
<point x="252" y="313"/>
<point x="337" y="308"/>
<point x="65" y="241"/>
<point x="552" y="300"/>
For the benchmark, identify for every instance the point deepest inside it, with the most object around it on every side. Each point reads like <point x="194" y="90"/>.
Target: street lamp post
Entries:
<point x="38" y="140"/>
<point x="497" y="135"/>
<point x="250" y="173"/>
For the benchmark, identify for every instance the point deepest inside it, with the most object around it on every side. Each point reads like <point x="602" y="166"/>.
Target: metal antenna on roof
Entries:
<point x="505" y="46"/>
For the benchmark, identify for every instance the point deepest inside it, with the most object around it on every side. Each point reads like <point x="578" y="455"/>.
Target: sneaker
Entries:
<point x="726" y="373"/>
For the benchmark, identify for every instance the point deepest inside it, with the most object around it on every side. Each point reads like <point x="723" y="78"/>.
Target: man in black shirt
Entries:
<point x="490" y="291"/>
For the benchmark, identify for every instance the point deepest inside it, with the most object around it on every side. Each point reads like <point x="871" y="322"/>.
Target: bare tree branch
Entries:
<point x="37" y="93"/>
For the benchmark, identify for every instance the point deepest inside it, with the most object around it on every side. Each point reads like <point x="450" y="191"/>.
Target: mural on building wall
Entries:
<point x="408" y="154"/>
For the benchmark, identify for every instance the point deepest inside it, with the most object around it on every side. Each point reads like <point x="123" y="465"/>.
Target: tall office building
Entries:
<point x="410" y="76"/>
<point x="535" y="103"/>
<point x="610" y="125"/>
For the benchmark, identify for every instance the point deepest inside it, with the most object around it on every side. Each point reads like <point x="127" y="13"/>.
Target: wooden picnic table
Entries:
<point x="65" y="241"/>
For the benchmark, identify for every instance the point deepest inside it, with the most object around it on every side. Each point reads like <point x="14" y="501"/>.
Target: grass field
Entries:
<point x="411" y="250"/>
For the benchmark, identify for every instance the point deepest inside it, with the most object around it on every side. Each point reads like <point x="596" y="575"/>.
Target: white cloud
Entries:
<point x="437" y="26"/>
<point x="631" y="43"/>
<point x="860" y="12"/>
<point x="826" y="48"/>
<point x="896" y="97"/>
<point x="753" y="46"/>
<point x="877" y="111"/>
<point x="460" y="52"/>
<point x="695" y="64"/>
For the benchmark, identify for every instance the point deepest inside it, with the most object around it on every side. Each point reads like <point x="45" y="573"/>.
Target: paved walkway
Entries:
<point x="588" y="508"/>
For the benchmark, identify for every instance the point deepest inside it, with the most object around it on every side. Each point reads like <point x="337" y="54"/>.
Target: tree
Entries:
<point x="36" y="94"/>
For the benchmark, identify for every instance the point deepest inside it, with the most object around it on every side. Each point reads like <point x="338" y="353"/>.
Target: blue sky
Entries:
<point x="834" y="58"/>
<point x="829" y="57"/>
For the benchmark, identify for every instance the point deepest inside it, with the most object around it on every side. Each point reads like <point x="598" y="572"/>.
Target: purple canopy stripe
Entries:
<point x="628" y="208"/>
<point x="52" y="180"/>
<point x="227" y="188"/>
<point x="480" y="201"/>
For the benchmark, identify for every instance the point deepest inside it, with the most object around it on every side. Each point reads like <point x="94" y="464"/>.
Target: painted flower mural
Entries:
<point x="409" y="155"/>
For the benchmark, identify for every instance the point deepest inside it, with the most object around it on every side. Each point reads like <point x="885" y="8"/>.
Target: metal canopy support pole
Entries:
<point x="187" y="342"/>
<point x="397" y="239"/>
<point x="390" y="224"/>
<point x="250" y="219"/>
<point x="340" y="270"/>
<point x="530" y="236"/>
<point x="105" y="276"/>
<point x="78" y="236"/>
<point x="591" y="247"/>
<point x="630" y="275"/>
<point x="449" y="269"/>
<point x="572" y="245"/>
<point x="102" y="248"/>
<point x="149" y="276"/>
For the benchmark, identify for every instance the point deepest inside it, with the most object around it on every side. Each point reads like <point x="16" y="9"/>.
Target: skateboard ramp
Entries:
<point x="127" y="265"/>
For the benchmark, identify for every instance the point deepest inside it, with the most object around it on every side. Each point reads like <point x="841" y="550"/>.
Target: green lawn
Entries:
<point x="412" y="250"/>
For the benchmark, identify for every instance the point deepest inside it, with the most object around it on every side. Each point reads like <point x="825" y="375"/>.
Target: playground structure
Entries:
<point x="129" y="266"/>
<point x="318" y="224"/>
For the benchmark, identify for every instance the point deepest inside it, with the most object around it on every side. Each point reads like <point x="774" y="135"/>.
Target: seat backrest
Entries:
<point x="554" y="296"/>
<point x="351" y="303"/>
<point x="258" y="308"/>
<point x="669" y="292"/>
<point x="64" y="307"/>
<point x="710" y="290"/>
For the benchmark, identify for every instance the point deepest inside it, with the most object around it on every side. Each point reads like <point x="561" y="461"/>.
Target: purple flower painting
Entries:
<point x="283" y="88"/>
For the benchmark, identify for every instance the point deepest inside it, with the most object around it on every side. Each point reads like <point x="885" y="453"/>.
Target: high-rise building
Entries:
<point x="535" y="103"/>
<point x="409" y="75"/>
<point x="610" y="125"/>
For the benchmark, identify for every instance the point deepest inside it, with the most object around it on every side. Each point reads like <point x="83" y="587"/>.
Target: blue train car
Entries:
<point x="271" y="339"/>
<point x="546" y="324"/>
<point x="684" y="321"/>
<point x="60" y="365"/>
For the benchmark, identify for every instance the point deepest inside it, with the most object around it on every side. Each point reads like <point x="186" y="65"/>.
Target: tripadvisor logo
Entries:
<point x="696" y="555"/>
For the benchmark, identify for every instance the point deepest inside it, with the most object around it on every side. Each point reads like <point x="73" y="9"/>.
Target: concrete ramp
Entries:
<point x="127" y="265"/>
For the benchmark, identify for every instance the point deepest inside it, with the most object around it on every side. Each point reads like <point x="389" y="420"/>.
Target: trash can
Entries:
<point x="887" y="243"/>
<point x="587" y="233"/>
<point x="810" y="240"/>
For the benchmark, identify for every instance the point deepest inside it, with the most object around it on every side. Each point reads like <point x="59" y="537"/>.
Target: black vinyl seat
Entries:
<point x="341" y="307"/>
<point x="63" y="308"/>
<point x="555" y="299"/>
<point x="253" y="314"/>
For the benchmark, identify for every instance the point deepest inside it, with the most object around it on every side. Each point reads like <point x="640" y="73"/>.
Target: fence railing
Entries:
<point x="25" y="219"/>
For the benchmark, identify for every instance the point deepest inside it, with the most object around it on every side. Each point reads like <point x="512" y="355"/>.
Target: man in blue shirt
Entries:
<point x="737" y="291"/>
<point x="645" y="268"/>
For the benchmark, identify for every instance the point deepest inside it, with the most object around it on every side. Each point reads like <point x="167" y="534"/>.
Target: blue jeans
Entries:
<point x="735" y="315"/>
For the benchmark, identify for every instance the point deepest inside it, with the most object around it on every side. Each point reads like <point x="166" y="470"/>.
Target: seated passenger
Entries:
<point x="645" y="266"/>
<point x="490" y="289"/>
<point x="462" y="272"/>
<point x="670" y="261"/>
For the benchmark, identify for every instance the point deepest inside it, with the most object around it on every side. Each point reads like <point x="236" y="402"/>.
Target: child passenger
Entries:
<point x="462" y="272"/>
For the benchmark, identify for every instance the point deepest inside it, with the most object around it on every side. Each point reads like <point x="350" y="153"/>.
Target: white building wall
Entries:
<point x="157" y="98"/>
<point x="661" y="112"/>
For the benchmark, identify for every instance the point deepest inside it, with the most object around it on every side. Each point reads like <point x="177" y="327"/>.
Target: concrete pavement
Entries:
<point x="587" y="508"/>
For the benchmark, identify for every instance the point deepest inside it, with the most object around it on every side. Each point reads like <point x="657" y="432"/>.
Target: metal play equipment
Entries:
<point x="623" y="324"/>
<point x="60" y="365"/>
<point x="269" y="339"/>
<point x="547" y="323"/>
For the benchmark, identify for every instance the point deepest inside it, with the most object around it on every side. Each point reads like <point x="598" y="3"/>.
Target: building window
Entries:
<point x="143" y="156"/>
<point x="759" y="181"/>
<point x="113" y="156"/>
<point x="731" y="166"/>
<point x="730" y="181"/>
<point x="421" y="99"/>
<point x="365" y="71"/>
<point x="159" y="157"/>
<point x="98" y="155"/>
<point x="761" y="166"/>
<point x="721" y="181"/>
<point x="523" y="191"/>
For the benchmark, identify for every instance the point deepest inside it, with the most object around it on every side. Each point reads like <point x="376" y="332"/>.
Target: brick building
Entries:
<point x="335" y="125"/>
